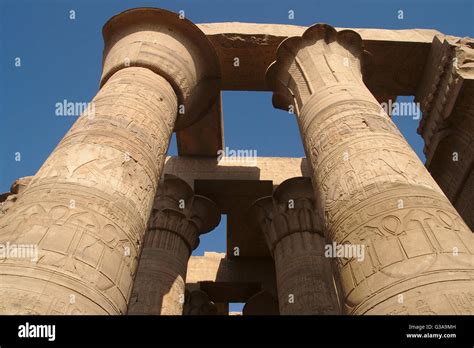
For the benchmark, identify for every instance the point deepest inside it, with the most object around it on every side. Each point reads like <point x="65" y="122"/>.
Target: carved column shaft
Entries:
<point x="371" y="188"/>
<point x="88" y="205"/>
<point x="87" y="208"/>
<point x="160" y="282"/>
<point x="294" y="236"/>
<point x="304" y="276"/>
<point x="177" y="220"/>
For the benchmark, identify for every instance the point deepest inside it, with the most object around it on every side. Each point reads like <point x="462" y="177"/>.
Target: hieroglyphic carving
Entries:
<point x="178" y="218"/>
<point x="447" y="126"/>
<point x="294" y="235"/>
<point x="87" y="207"/>
<point x="170" y="45"/>
<point x="371" y="189"/>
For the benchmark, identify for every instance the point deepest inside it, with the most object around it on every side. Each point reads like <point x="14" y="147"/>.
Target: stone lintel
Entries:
<point x="217" y="275"/>
<point x="399" y="55"/>
<point x="234" y="187"/>
<point x="398" y="60"/>
<point x="205" y="137"/>
<point x="275" y="169"/>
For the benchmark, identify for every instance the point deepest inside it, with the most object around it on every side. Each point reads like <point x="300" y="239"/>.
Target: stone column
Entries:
<point x="178" y="218"/>
<point x="87" y="207"/>
<point x="294" y="235"/>
<point x="371" y="189"/>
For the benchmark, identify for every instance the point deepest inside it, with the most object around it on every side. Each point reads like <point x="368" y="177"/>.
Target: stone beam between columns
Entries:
<point x="399" y="55"/>
<point x="205" y="137"/>
<point x="276" y="169"/>
<point x="248" y="181"/>
<point x="234" y="186"/>
<point x="398" y="60"/>
<point x="214" y="272"/>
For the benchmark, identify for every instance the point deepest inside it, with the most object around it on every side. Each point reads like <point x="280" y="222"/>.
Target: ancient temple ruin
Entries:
<point x="116" y="220"/>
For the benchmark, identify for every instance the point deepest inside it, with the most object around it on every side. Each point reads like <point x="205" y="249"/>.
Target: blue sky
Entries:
<point x="61" y="59"/>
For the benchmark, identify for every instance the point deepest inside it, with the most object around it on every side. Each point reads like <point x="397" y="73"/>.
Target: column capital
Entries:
<point x="294" y="235"/>
<point x="291" y="209"/>
<point x="321" y="57"/>
<point x="171" y="46"/>
<point x="177" y="209"/>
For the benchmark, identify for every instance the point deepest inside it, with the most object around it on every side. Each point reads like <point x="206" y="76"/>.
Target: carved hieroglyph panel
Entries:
<point x="87" y="207"/>
<point x="371" y="188"/>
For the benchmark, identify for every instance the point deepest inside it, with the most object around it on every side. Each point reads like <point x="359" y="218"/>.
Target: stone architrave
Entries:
<point x="447" y="126"/>
<point x="178" y="218"/>
<point x="87" y="207"/>
<point x="371" y="189"/>
<point x="294" y="236"/>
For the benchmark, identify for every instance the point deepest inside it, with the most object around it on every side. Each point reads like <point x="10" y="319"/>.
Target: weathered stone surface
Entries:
<point x="216" y="268"/>
<point x="87" y="207"/>
<point x="398" y="57"/>
<point x="233" y="198"/>
<point x="82" y="209"/>
<point x="371" y="189"/>
<point x="205" y="137"/>
<point x="8" y="198"/>
<point x="172" y="47"/>
<point x="178" y="218"/>
<point x="96" y="202"/>
<point x="294" y="234"/>
<point x="447" y="127"/>
<point x="274" y="169"/>
<point x="19" y="185"/>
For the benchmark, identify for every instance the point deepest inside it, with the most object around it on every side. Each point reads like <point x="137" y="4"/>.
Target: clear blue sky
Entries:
<point x="61" y="59"/>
